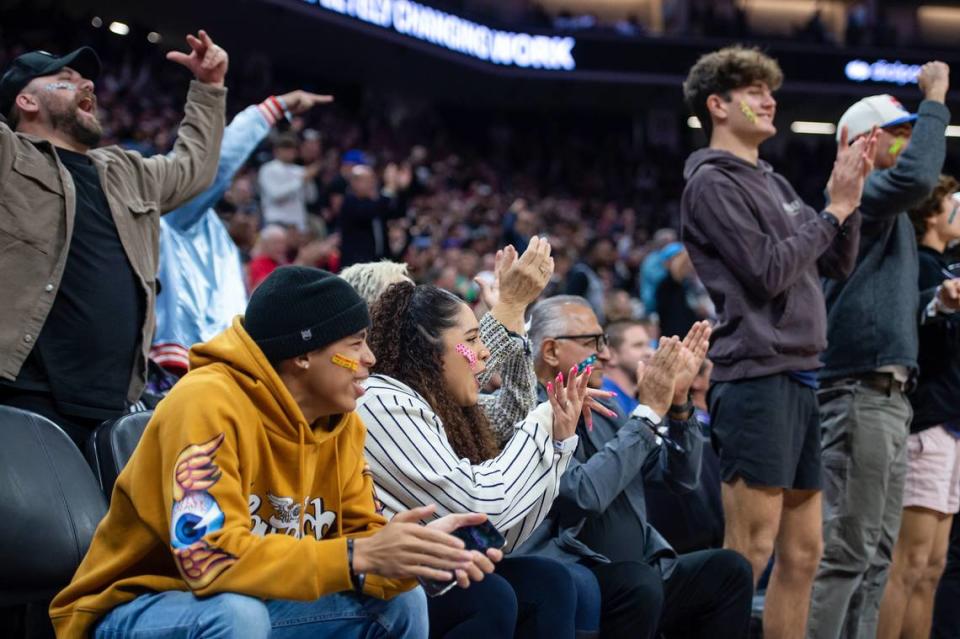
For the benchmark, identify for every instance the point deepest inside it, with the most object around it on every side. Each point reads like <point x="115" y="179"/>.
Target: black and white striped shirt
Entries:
<point x="413" y="463"/>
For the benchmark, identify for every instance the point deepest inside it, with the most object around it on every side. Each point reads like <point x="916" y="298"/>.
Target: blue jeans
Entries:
<point x="181" y="615"/>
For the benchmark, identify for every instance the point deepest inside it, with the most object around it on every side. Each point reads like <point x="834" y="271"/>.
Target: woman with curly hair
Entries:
<point x="428" y="442"/>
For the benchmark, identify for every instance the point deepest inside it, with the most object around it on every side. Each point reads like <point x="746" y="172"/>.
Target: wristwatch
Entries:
<point x="681" y="409"/>
<point x="357" y="578"/>
<point x="831" y="218"/>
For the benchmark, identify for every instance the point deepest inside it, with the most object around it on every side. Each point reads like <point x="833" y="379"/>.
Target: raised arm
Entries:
<point x="175" y="178"/>
<point x="891" y="191"/>
<point x="240" y="138"/>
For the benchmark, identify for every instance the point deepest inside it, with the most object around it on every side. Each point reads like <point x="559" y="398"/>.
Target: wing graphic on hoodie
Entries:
<point x="196" y="514"/>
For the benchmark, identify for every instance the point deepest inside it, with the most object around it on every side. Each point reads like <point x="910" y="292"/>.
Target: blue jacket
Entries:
<point x="628" y="455"/>
<point x="872" y="314"/>
<point x="201" y="278"/>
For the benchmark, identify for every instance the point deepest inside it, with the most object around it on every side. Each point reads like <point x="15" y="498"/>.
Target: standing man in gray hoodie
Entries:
<point x="871" y="357"/>
<point x="760" y="252"/>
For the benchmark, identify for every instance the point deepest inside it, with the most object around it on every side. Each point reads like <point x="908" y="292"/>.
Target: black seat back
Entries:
<point x="50" y="505"/>
<point x="112" y="444"/>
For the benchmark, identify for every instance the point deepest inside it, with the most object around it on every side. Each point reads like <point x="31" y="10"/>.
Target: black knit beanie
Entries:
<point x="298" y="309"/>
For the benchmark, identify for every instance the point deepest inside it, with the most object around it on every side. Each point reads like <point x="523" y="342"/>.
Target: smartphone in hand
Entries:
<point x="480" y="538"/>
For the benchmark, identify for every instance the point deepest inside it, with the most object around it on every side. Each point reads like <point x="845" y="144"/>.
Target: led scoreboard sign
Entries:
<point x="507" y="48"/>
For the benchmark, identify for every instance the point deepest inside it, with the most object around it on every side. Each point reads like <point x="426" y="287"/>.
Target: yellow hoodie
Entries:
<point x="227" y="461"/>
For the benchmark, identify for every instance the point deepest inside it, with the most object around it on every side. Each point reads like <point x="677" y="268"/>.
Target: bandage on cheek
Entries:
<point x="56" y="86"/>
<point x="345" y="362"/>
<point x="897" y="145"/>
<point x="748" y="112"/>
<point x="468" y="354"/>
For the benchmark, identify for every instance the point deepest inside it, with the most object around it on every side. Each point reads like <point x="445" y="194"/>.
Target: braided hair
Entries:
<point x="405" y="336"/>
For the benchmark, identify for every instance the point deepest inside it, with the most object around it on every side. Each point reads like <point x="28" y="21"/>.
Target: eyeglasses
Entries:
<point x="600" y="340"/>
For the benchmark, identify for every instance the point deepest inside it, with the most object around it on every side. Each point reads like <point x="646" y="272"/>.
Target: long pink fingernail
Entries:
<point x="550" y="387"/>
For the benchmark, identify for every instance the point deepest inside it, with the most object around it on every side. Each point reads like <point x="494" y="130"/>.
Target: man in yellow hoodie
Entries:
<point x="247" y="509"/>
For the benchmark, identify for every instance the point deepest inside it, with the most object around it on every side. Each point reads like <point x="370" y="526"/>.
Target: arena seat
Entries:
<point x="50" y="504"/>
<point x="111" y="445"/>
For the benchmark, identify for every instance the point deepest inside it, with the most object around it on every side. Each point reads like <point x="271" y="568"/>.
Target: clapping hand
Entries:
<point x="519" y="282"/>
<point x="850" y="170"/>
<point x="567" y="397"/>
<point x="693" y="350"/>
<point x="657" y="380"/>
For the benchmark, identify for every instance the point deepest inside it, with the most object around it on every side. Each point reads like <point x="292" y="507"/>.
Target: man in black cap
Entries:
<point x="79" y="229"/>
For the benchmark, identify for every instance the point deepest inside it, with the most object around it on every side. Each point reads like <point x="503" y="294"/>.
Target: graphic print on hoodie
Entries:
<point x="230" y="490"/>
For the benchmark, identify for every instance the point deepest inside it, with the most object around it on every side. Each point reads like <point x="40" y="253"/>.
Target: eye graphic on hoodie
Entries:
<point x="193" y="517"/>
<point x="197" y="514"/>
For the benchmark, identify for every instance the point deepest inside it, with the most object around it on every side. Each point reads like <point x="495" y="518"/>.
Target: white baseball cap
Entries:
<point x="876" y="111"/>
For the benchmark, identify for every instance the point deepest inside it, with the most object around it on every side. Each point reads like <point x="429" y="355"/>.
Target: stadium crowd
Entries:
<point x="518" y="337"/>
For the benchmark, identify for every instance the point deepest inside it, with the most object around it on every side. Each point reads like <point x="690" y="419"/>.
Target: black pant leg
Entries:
<point x="487" y="609"/>
<point x="946" y="607"/>
<point x="546" y="597"/>
<point x="631" y="600"/>
<point x="708" y="595"/>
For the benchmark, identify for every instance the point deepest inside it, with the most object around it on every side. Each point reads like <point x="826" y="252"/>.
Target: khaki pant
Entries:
<point x="864" y="435"/>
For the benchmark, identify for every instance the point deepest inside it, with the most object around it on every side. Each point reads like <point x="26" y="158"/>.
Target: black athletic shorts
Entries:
<point x="767" y="431"/>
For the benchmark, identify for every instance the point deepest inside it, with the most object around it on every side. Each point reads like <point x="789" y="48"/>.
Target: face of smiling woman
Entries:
<point x="464" y="358"/>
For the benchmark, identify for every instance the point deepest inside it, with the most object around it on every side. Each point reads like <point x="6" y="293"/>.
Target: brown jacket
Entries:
<point x="38" y="204"/>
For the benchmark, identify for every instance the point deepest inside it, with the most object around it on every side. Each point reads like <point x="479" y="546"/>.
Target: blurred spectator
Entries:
<point x="586" y="278"/>
<point x="681" y="300"/>
<point x="286" y="187"/>
<point x="366" y="209"/>
<point x="519" y="225"/>
<point x="619" y="306"/>
<point x="653" y="269"/>
<point x="271" y="252"/>
<point x="814" y="30"/>
<point x="630" y="346"/>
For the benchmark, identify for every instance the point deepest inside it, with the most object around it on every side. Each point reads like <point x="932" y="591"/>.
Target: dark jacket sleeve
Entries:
<point x="894" y="190"/>
<point x="837" y="262"/>
<point x="764" y="266"/>
<point x="680" y="472"/>
<point x="587" y="487"/>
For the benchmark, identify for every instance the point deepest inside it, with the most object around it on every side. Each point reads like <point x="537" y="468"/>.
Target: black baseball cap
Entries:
<point x="39" y="63"/>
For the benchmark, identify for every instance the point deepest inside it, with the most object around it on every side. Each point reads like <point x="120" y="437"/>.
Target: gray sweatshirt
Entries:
<point x="872" y="315"/>
<point x="760" y="251"/>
